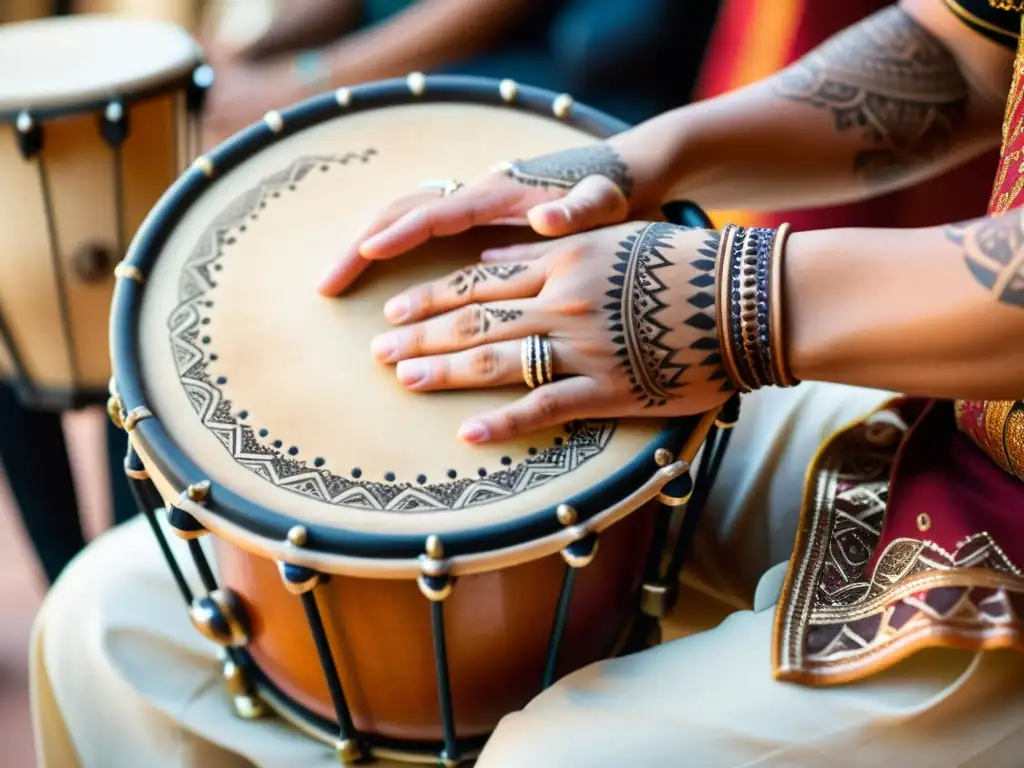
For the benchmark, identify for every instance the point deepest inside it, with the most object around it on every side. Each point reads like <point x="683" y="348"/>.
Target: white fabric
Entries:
<point x="120" y="678"/>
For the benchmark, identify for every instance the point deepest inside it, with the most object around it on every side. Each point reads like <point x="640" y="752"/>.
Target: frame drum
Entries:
<point x="379" y="583"/>
<point x="101" y="119"/>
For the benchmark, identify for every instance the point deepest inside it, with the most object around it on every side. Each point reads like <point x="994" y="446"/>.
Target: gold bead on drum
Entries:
<point x="562" y="106"/>
<point x="348" y="751"/>
<point x="434" y="548"/>
<point x="204" y="164"/>
<point x="417" y="83"/>
<point x="135" y="416"/>
<point x="343" y="96"/>
<point x="220" y="617"/>
<point x="662" y="457"/>
<point x="509" y="90"/>
<point x="274" y="121"/>
<point x="298" y="535"/>
<point x="114" y="411"/>
<point x="198" y="492"/>
<point x="566" y="515"/>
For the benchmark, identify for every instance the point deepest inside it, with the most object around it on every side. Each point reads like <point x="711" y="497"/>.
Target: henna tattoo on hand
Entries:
<point x="888" y="77"/>
<point x="494" y="316"/>
<point x="704" y="320"/>
<point x="567" y="168"/>
<point x="468" y="278"/>
<point x="993" y="249"/>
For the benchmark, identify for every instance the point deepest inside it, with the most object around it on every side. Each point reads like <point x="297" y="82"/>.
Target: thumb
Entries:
<point x="595" y="201"/>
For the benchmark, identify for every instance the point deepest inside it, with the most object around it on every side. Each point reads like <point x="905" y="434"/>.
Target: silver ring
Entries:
<point x="447" y="187"/>
<point x="538" y="361"/>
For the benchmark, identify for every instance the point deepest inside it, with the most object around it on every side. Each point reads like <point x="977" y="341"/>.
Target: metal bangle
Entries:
<point x="537" y="361"/>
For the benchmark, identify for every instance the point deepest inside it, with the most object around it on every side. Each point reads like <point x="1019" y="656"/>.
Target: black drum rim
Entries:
<point x="180" y="471"/>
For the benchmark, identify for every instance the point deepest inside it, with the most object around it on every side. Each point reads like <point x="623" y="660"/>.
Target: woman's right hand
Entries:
<point x="558" y="194"/>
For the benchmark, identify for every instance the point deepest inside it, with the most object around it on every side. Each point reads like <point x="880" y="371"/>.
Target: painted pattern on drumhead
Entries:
<point x="191" y="345"/>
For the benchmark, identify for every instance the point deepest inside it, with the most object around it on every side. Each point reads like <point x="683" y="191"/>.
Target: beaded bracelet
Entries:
<point x="749" y="306"/>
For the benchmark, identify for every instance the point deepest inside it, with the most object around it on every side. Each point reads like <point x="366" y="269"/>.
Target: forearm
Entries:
<point x="429" y="34"/>
<point x="306" y="24"/>
<point x="883" y="105"/>
<point x="933" y="312"/>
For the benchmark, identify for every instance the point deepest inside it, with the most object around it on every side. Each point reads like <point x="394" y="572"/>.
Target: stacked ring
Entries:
<point x="537" y="361"/>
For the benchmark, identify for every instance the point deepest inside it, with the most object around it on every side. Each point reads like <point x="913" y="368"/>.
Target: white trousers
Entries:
<point x="121" y="679"/>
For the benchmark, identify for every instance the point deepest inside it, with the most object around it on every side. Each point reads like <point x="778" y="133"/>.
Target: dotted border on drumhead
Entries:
<point x="193" y="351"/>
<point x="177" y="469"/>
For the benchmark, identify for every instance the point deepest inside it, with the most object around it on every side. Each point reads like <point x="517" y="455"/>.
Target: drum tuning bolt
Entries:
<point x="93" y="262"/>
<point x="220" y="617"/>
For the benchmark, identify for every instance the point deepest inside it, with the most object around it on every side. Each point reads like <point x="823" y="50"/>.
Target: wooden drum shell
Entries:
<point x="79" y="180"/>
<point x="498" y="626"/>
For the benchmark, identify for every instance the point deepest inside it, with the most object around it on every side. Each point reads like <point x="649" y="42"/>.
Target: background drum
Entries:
<point x="379" y="583"/>
<point x="102" y="118"/>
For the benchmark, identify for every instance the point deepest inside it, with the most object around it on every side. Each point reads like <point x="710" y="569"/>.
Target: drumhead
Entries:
<point x="269" y="391"/>
<point x="74" y="62"/>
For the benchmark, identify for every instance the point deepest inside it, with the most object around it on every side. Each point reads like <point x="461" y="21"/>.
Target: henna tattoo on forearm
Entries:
<point x="993" y="249"/>
<point x="890" y="79"/>
<point x="567" y="168"/>
<point x="468" y="278"/>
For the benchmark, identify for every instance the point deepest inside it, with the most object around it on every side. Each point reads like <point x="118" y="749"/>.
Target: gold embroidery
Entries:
<point x="844" y="614"/>
<point x="1007" y="5"/>
<point x="1013" y="440"/>
<point x="1001" y="201"/>
<point x="996" y="414"/>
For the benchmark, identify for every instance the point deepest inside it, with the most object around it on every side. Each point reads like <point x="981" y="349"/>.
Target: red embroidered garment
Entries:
<point x="912" y="530"/>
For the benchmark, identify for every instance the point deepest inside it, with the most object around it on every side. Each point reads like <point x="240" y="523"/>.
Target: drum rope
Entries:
<point x="346" y="728"/>
<point x="444" y="691"/>
<point x="558" y="629"/>
<point x="58" y="273"/>
<point x="148" y="500"/>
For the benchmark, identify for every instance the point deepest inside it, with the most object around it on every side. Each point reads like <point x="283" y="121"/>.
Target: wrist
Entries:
<point x="659" y="154"/>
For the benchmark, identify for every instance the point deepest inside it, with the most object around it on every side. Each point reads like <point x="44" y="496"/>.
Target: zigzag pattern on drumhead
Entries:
<point x="583" y="440"/>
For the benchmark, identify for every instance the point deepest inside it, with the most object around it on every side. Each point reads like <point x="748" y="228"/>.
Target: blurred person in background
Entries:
<point x="633" y="58"/>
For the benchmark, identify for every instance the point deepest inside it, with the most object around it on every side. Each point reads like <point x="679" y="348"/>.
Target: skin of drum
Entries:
<point x="245" y="377"/>
<point x="57" y="315"/>
<point x="497" y="625"/>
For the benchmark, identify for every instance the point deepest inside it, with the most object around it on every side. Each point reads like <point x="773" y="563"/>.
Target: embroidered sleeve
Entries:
<point x="998" y="20"/>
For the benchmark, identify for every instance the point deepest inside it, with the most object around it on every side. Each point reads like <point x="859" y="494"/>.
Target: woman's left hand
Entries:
<point x="629" y="312"/>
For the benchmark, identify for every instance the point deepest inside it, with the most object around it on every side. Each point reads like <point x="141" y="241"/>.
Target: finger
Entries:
<point x="351" y="264"/>
<point x="476" y="283"/>
<point x="545" y="406"/>
<point x="489" y="365"/>
<point x="523" y="252"/>
<point x="596" y="201"/>
<point x="463" y="328"/>
<point x="450" y="215"/>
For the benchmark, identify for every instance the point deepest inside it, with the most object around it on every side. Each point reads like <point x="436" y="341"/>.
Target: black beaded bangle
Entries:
<point x="751" y="309"/>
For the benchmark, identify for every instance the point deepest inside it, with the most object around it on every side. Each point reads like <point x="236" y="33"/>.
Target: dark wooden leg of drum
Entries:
<point x="661" y="592"/>
<point x="35" y="459"/>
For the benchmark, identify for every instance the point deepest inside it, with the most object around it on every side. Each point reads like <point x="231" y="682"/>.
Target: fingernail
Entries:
<point x="368" y="246"/>
<point x="474" y="432"/>
<point x="397" y="309"/>
<point x="556" y="213"/>
<point x="384" y="347"/>
<point x="411" y="372"/>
